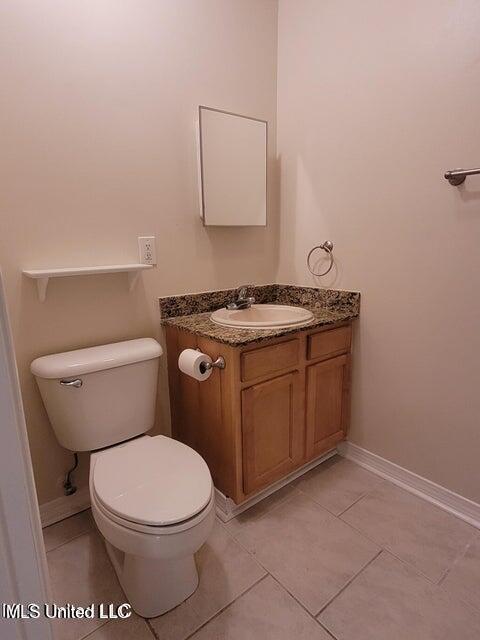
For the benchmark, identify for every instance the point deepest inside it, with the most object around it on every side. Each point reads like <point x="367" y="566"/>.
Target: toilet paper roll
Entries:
<point x="190" y="362"/>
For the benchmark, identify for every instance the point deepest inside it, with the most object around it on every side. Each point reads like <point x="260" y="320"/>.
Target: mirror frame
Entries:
<point x="201" y="164"/>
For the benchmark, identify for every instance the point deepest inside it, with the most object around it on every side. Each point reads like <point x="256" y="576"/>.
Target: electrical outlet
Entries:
<point x="146" y="250"/>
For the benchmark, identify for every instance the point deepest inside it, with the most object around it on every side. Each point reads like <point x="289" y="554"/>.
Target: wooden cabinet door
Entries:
<point x="327" y="411"/>
<point x="272" y="430"/>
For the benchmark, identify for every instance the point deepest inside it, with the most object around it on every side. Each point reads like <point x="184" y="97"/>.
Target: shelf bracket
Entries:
<point x="42" y="284"/>
<point x="132" y="279"/>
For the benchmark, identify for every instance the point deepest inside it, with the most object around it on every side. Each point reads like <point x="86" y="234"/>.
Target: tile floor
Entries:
<point x="339" y="554"/>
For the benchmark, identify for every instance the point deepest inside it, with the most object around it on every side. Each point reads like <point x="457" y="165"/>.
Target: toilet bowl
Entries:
<point x="151" y="496"/>
<point x="152" y="500"/>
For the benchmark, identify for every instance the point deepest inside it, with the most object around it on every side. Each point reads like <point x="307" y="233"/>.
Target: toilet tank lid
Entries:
<point x="101" y="358"/>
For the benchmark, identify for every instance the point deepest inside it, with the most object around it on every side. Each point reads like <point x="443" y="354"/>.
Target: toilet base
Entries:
<point x="154" y="586"/>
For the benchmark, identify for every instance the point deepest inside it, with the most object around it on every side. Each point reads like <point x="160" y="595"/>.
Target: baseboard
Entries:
<point x="64" y="507"/>
<point x="444" y="498"/>
<point x="467" y="510"/>
<point x="227" y="509"/>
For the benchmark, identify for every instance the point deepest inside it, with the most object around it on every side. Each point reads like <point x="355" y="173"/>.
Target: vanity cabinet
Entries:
<point x="327" y="408"/>
<point x="272" y="430"/>
<point x="276" y="406"/>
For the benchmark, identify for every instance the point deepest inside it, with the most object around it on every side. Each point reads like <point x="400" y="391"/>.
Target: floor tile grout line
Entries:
<point x="349" y="582"/>
<point x="90" y="633"/>
<point x="326" y="629"/>
<point x="295" y="487"/>
<point x="282" y="586"/>
<point x="416" y="570"/>
<point x="71" y="516"/>
<point x="215" y="615"/>
<point x="358" y="531"/>
<point x="100" y="626"/>
<point x="406" y="564"/>
<point x="250" y="554"/>
<point x="383" y="481"/>
<point x="362" y="533"/>
<point x="252" y="557"/>
<point x="300" y="604"/>
<point x="353" y="504"/>
<point x="364" y="495"/>
<point x="434" y="584"/>
<point x="308" y="495"/>
<point x="419" y="495"/>
<point x="147" y="620"/>
<point x="152" y="630"/>
<point x="317" y="504"/>
<point x="402" y="487"/>
<point x="441" y="586"/>
<point x="313" y="616"/>
<point x="367" y="493"/>
<point x="461" y="554"/>
<point x="294" y="491"/>
<point x="62" y="544"/>
<point x="445" y="573"/>
<point x="469" y="605"/>
<point x="273" y="576"/>
<point x="337" y="515"/>
<point x="389" y="551"/>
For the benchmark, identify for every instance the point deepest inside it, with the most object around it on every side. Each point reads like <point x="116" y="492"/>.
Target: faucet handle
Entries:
<point x="242" y="292"/>
<point x="241" y="301"/>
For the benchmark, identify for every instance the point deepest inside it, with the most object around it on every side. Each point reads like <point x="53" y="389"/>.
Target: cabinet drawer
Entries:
<point x="329" y="342"/>
<point x="269" y="360"/>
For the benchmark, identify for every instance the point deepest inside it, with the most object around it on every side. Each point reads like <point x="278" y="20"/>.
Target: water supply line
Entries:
<point x="68" y="486"/>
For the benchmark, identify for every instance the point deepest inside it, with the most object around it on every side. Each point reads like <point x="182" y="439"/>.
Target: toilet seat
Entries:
<point x="151" y="483"/>
<point x="149" y="529"/>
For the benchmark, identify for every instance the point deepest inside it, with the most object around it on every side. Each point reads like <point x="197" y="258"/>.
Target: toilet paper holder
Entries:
<point x="219" y="363"/>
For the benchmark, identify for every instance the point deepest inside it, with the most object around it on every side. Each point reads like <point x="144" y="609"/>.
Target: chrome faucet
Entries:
<point x="242" y="301"/>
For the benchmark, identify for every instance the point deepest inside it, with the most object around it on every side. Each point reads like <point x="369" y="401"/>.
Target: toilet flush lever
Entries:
<point x="72" y="383"/>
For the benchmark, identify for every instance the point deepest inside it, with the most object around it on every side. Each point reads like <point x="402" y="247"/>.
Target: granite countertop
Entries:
<point x="191" y="312"/>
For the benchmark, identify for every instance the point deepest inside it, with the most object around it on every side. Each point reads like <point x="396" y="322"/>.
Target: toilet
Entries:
<point x="152" y="497"/>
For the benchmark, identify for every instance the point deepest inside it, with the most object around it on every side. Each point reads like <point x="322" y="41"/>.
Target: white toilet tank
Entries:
<point x="102" y="395"/>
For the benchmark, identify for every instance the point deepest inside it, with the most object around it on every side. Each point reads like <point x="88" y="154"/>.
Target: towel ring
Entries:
<point x="327" y="246"/>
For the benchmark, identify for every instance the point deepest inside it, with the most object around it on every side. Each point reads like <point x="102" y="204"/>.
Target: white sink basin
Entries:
<point x="262" y="316"/>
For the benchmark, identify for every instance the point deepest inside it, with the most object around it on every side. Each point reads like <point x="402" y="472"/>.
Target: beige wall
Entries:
<point x="375" y="101"/>
<point x="97" y="116"/>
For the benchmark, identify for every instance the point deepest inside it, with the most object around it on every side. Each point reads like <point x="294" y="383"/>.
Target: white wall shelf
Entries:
<point x="42" y="276"/>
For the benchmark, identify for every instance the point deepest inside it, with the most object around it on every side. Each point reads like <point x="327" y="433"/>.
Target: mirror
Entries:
<point x="233" y="169"/>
